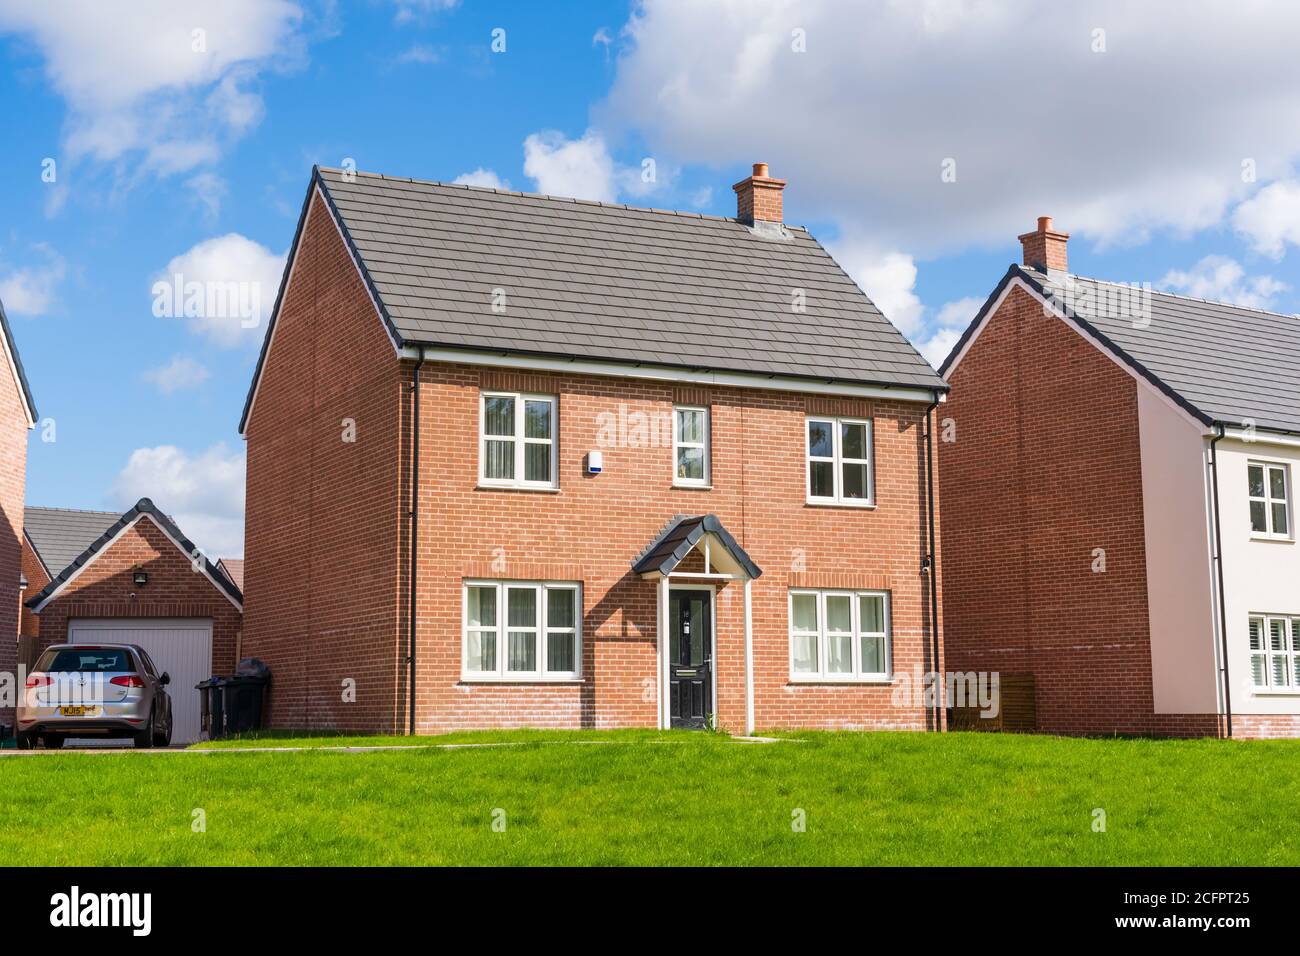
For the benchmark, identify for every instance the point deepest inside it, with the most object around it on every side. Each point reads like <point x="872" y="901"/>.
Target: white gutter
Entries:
<point x="668" y="373"/>
<point x="1259" y="436"/>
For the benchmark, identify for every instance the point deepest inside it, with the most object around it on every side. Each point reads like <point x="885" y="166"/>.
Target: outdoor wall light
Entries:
<point x="141" y="578"/>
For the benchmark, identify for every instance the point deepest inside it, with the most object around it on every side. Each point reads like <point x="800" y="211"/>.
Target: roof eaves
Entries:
<point x="23" y="385"/>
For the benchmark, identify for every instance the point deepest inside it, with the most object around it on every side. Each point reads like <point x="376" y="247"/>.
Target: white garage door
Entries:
<point x="182" y="648"/>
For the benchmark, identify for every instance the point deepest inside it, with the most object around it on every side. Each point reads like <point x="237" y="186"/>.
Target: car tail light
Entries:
<point x="39" y="680"/>
<point x="129" y="680"/>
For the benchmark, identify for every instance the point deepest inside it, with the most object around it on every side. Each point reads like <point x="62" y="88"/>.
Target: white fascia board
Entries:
<point x="1259" y="436"/>
<point x="23" y="397"/>
<point x="1051" y="308"/>
<point x="113" y="540"/>
<point x="668" y="373"/>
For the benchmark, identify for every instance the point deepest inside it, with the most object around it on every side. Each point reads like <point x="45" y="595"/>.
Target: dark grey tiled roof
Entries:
<point x="60" y="535"/>
<point x="682" y="534"/>
<point x="1230" y="362"/>
<point x="1223" y="363"/>
<point x="612" y="282"/>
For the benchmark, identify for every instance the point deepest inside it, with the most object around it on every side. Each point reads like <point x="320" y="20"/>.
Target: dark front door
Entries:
<point x="690" y="658"/>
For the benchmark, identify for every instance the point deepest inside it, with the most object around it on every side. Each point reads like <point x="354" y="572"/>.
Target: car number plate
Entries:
<point x="78" y="711"/>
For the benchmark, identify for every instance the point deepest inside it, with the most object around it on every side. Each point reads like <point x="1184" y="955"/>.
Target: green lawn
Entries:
<point x="658" y="798"/>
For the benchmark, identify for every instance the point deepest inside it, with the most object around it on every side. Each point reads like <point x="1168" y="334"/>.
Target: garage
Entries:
<point x="136" y="578"/>
<point x="181" y="647"/>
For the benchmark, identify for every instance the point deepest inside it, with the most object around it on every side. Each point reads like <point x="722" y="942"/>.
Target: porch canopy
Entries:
<point x="724" y="560"/>
<point x="682" y="536"/>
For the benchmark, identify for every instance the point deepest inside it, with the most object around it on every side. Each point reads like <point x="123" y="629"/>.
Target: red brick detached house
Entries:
<point x="631" y="467"/>
<point x="135" y="578"/>
<point x="1119" y="509"/>
<point x="17" y="416"/>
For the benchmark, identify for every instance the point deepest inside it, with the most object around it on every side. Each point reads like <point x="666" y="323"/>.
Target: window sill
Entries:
<point x="1275" y="691"/>
<point x="678" y="487"/>
<point x="523" y="679"/>
<point x="1271" y="538"/>
<point x="481" y="486"/>
<point x="826" y="503"/>
<point x="875" y="680"/>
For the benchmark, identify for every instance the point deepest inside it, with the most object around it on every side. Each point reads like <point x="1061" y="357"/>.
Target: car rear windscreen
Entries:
<point x="101" y="661"/>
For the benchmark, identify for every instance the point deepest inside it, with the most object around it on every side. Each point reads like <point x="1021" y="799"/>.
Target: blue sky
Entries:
<point x="1161" y="143"/>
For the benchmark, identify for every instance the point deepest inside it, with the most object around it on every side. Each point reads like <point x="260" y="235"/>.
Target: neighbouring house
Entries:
<point x="629" y="467"/>
<point x="1119" y="507"/>
<point x="17" y="416"/>
<point x="233" y="568"/>
<point x="134" y="578"/>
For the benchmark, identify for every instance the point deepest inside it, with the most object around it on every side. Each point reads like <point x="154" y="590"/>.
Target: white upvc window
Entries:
<point x="1275" y="652"/>
<point x="517" y="440"/>
<point x="839" y="461"/>
<point x="522" y="631"/>
<point x="839" y="635"/>
<point x="1269" y="488"/>
<point x="690" y="446"/>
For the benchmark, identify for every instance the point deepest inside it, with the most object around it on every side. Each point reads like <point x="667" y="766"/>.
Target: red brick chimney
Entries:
<point x="759" y="196"/>
<point x="1045" y="248"/>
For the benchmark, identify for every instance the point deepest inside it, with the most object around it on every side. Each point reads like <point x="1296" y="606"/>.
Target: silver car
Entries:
<point x="95" y="690"/>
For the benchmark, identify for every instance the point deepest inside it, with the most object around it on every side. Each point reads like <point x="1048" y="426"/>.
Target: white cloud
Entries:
<point x="410" y="11"/>
<point x="420" y="53"/>
<point x="581" y="168"/>
<point x="209" y="190"/>
<point x="203" y="493"/>
<point x="482" y="177"/>
<point x="1112" y="144"/>
<point x="888" y="278"/>
<point x="1221" y="279"/>
<point x="30" y="290"/>
<point x="225" y="287"/>
<point x="180" y="373"/>
<point x="936" y="348"/>
<point x="1271" y="218"/>
<point x="140" y="80"/>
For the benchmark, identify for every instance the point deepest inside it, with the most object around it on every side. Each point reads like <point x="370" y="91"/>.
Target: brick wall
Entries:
<point x="29" y="624"/>
<point x="323" y="515"/>
<point x="595" y="526"/>
<point x="105" y="589"/>
<point x="13" y="482"/>
<point x="1046" y="467"/>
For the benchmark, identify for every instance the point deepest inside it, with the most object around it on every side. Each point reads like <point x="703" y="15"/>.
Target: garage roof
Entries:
<point x="60" y="535"/>
<point x="143" y="508"/>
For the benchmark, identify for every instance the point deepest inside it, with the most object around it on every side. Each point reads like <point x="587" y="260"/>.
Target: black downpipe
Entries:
<point x="1218" y="561"/>
<point x="415" y="527"/>
<point x="933" y="561"/>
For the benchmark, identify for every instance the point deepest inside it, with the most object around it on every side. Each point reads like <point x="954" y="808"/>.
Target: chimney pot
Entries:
<point x="758" y="198"/>
<point x="1044" y="248"/>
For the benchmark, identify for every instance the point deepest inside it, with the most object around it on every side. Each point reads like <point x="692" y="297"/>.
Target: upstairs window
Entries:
<point x="1270" y="506"/>
<point x="690" y="446"/>
<point x="517" y="440"/>
<point x="1275" y="652"/>
<point x="839" y="461"/>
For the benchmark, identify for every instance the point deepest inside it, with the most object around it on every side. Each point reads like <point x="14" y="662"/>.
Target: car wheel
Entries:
<point x="54" y="741"/>
<point x="164" y="736"/>
<point x="24" y="741"/>
<point x="144" y="739"/>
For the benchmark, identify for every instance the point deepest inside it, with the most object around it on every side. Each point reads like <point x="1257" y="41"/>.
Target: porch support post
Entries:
<point x="662" y="628"/>
<point x="749" y="657"/>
